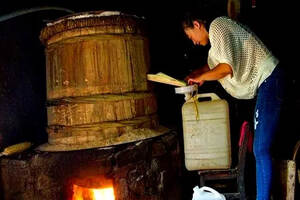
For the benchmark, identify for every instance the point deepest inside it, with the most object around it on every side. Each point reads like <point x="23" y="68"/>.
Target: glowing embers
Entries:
<point x="93" y="189"/>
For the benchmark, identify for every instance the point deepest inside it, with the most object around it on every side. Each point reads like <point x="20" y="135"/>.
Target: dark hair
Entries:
<point x="203" y="16"/>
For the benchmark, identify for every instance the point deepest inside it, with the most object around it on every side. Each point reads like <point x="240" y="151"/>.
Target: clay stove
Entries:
<point x="146" y="169"/>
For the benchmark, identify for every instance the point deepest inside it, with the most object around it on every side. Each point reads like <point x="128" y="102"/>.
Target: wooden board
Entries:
<point x="284" y="180"/>
<point x="163" y="78"/>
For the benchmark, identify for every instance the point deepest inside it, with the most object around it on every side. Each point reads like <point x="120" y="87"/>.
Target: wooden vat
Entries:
<point x="95" y="55"/>
<point x="96" y="70"/>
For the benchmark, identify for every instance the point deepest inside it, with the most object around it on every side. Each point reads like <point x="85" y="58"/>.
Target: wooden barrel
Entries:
<point x="96" y="68"/>
<point x="89" y="54"/>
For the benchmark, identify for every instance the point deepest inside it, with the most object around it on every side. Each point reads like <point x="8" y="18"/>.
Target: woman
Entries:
<point x="246" y="69"/>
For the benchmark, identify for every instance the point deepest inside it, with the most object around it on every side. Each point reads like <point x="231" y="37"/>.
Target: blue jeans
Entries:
<point x="266" y="118"/>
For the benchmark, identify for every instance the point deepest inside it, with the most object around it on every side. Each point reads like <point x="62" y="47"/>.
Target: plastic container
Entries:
<point x="207" y="193"/>
<point x="206" y="133"/>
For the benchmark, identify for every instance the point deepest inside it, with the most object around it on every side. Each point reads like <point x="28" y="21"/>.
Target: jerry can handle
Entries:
<point x="213" y="96"/>
<point x="211" y="190"/>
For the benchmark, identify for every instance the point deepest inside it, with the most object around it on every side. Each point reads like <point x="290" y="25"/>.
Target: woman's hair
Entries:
<point x="200" y="15"/>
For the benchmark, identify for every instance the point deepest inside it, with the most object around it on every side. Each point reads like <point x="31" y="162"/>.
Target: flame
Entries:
<point x="82" y="193"/>
<point x="106" y="193"/>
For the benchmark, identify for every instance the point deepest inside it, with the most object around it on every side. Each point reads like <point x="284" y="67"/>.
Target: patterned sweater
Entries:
<point x="251" y="62"/>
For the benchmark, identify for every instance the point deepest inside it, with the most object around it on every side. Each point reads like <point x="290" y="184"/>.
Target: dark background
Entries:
<point x="22" y="62"/>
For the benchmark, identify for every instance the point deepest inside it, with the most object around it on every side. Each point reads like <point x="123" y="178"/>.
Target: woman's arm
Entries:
<point x="197" y="72"/>
<point x="220" y="71"/>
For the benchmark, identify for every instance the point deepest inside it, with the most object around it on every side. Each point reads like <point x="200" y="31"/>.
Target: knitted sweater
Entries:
<point x="251" y="62"/>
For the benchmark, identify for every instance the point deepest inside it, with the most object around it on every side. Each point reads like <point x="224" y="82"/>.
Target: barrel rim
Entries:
<point x="126" y="22"/>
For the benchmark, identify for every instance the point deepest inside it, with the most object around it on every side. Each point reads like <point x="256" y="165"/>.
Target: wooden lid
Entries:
<point x="93" y="22"/>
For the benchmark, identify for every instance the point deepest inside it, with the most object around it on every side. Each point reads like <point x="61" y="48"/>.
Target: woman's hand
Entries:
<point x="197" y="72"/>
<point x="190" y="76"/>
<point x="220" y="71"/>
<point x="193" y="74"/>
<point x="196" y="80"/>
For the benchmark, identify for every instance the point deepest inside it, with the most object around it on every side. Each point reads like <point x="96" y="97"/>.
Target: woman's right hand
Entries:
<point x="186" y="79"/>
<point x="197" y="72"/>
<point x="197" y="80"/>
<point x="193" y="74"/>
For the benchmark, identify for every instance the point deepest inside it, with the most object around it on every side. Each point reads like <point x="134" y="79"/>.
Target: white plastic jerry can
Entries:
<point x="207" y="193"/>
<point x="206" y="133"/>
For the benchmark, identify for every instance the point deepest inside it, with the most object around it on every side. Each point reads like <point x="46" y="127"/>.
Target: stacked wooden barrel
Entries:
<point x="97" y="91"/>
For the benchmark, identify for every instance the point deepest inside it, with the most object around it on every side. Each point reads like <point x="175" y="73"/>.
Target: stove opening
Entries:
<point x="93" y="189"/>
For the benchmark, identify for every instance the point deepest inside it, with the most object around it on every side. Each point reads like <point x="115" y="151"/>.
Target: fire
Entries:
<point x="83" y="193"/>
<point x="101" y="194"/>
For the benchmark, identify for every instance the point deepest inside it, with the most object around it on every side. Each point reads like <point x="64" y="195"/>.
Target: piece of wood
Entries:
<point x="163" y="78"/>
<point x="285" y="176"/>
<point x="284" y="179"/>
